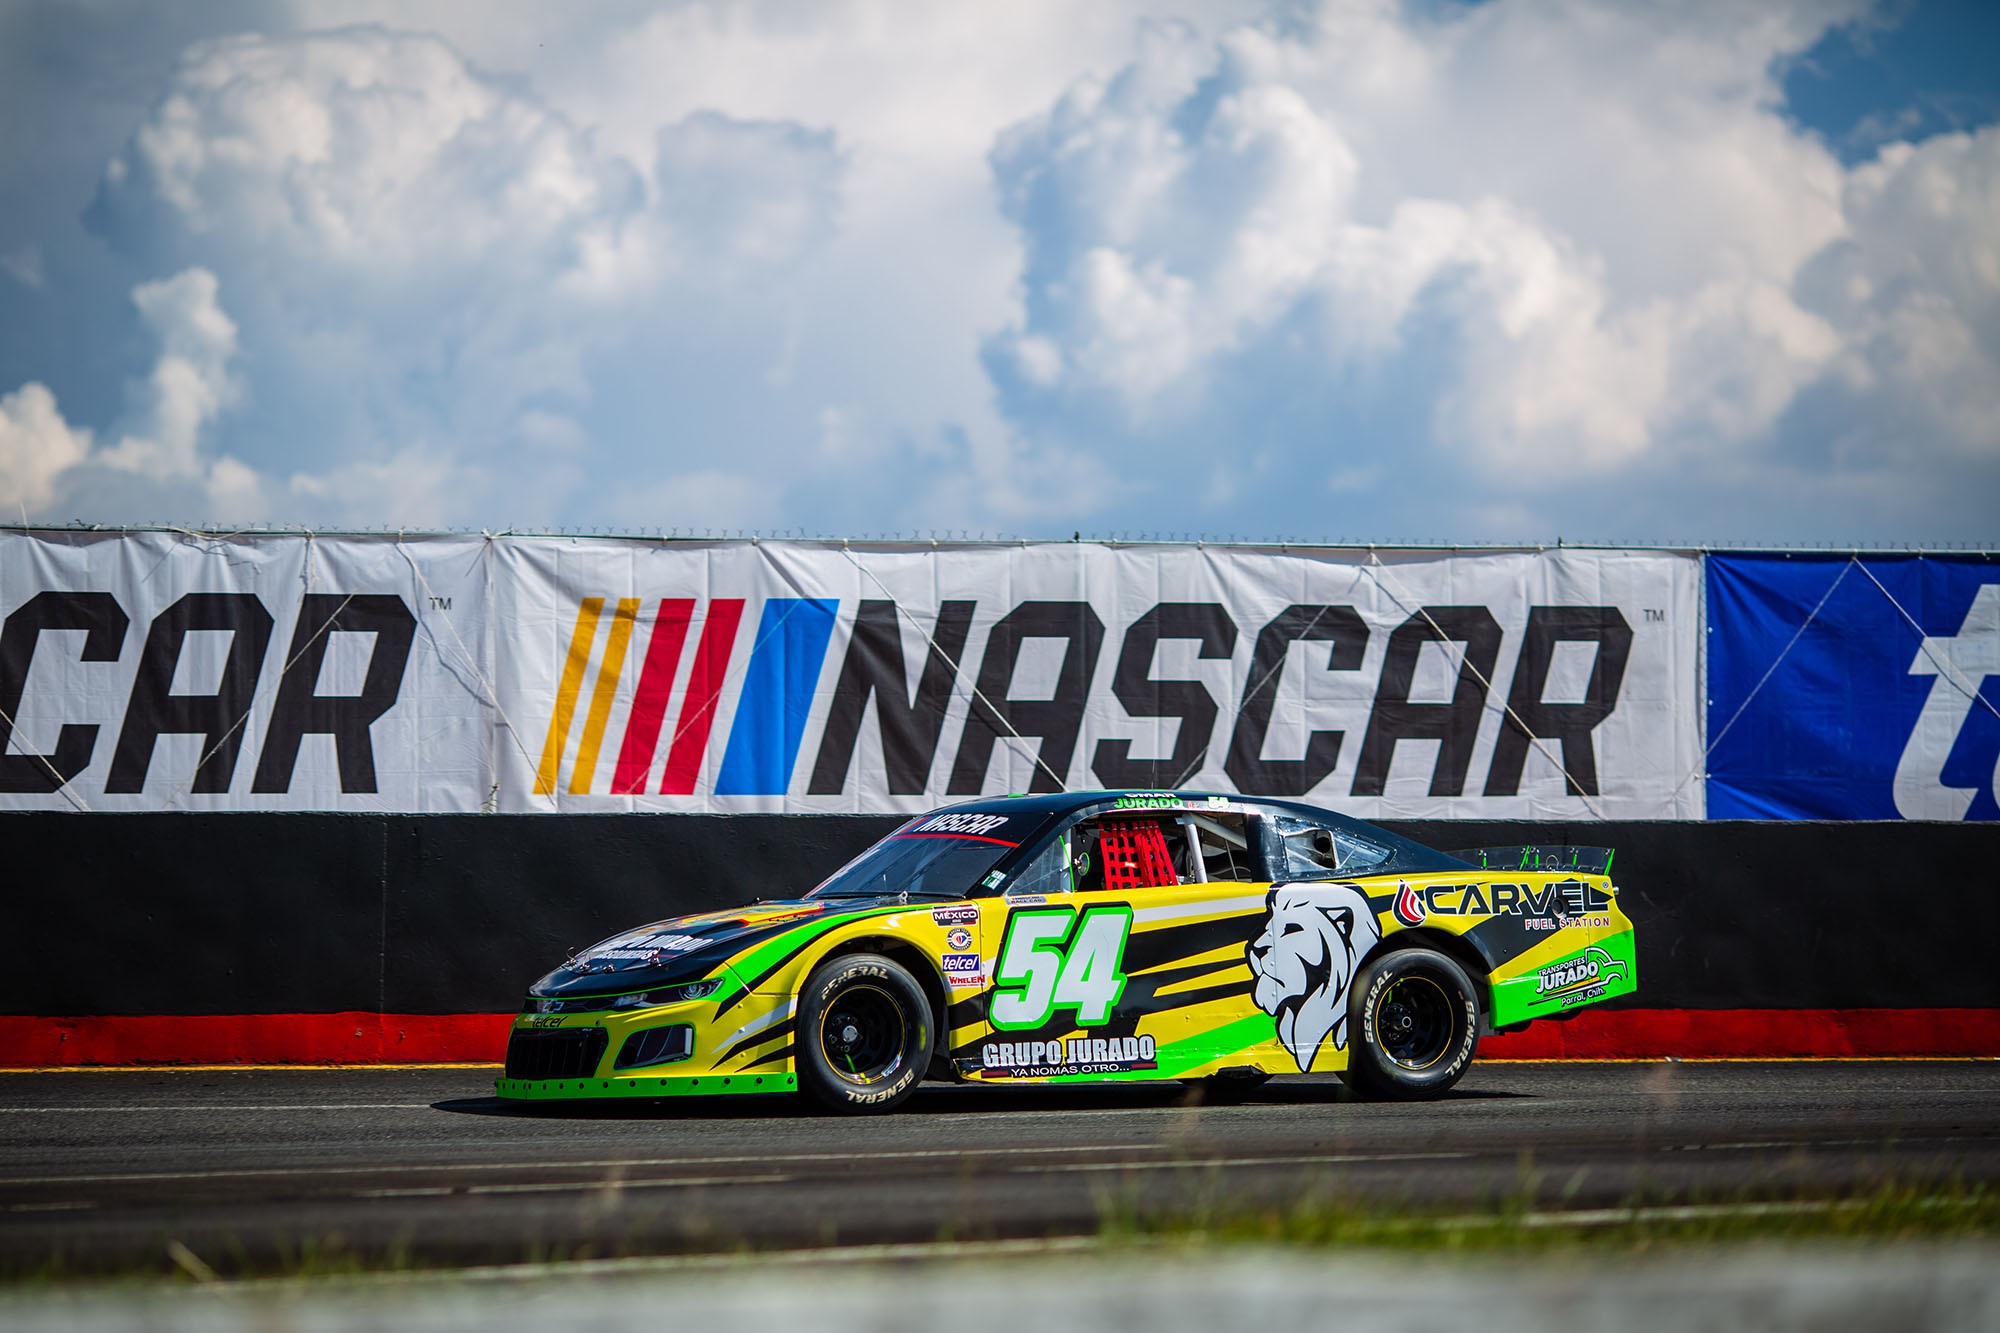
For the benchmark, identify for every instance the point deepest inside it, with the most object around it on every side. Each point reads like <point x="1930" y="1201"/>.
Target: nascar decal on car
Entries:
<point x="1314" y="937"/>
<point x="958" y="939"/>
<point x="1053" y="958"/>
<point x="970" y="826"/>
<point x="963" y="914"/>
<point x="1581" y="978"/>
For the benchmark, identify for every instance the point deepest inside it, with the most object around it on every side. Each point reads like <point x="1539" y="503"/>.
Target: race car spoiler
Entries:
<point x="1554" y="860"/>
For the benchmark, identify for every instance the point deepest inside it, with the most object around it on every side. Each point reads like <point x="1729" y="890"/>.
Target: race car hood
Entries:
<point x="683" y="948"/>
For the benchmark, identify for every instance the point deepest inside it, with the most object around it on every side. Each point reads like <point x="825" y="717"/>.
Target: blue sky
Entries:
<point x="1705" y="273"/>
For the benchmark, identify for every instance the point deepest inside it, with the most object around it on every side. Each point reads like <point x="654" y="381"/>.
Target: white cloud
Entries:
<point x="372" y="152"/>
<point x="432" y="263"/>
<point x="164" y="455"/>
<point x="47" y="465"/>
<point x="878" y="263"/>
<point x="36" y="445"/>
<point x="190" y="384"/>
<point x="1601" y="205"/>
<point x="1916" y="287"/>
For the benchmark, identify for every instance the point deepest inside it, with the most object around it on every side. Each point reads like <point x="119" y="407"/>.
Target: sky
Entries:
<point x="1689" y="272"/>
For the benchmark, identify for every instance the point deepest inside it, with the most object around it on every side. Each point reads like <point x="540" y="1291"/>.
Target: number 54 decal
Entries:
<point x="1052" y="959"/>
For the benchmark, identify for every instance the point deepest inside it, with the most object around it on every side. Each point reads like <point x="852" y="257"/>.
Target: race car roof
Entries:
<point x="1409" y="854"/>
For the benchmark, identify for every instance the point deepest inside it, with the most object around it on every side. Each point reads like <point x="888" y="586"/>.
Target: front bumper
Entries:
<point x="567" y="1056"/>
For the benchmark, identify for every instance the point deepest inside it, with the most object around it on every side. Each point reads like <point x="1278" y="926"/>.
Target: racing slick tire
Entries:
<point x="864" y="1035"/>
<point x="1412" y="1023"/>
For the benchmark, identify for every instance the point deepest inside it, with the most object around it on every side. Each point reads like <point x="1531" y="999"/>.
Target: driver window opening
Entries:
<point x="1121" y="852"/>
<point x="1221" y="846"/>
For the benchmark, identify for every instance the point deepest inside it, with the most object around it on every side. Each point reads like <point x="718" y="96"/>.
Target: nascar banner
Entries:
<point x="811" y="676"/>
<point x="171" y="671"/>
<point x="287" y="672"/>
<point x="1849" y="687"/>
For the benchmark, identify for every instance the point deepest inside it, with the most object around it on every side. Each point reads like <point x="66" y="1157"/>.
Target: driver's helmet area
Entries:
<point x="1119" y="850"/>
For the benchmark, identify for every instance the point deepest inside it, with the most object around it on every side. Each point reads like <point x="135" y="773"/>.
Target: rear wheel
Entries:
<point x="1413" y="1022"/>
<point x="864" y="1034"/>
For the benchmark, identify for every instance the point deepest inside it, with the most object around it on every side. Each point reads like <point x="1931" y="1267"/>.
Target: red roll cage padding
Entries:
<point x="1135" y="856"/>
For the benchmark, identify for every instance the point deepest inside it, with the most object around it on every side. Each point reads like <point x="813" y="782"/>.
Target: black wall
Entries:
<point x="284" y="913"/>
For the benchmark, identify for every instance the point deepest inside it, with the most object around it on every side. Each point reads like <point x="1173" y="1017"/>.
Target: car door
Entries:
<point x="1120" y="956"/>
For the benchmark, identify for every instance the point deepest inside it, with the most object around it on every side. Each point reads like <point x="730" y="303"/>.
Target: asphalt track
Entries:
<point x="270" y="1168"/>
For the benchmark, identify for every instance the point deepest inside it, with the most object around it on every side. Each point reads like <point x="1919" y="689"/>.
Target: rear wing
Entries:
<point x="1553" y="860"/>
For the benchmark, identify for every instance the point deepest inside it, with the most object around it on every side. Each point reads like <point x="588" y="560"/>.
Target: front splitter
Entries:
<point x="698" y="1085"/>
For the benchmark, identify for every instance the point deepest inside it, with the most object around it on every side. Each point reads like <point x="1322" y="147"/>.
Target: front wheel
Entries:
<point x="864" y="1034"/>
<point x="1414" y="1020"/>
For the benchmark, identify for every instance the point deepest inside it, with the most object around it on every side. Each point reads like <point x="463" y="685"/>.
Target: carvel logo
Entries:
<point x="1409" y="907"/>
<point x="787" y="653"/>
<point x="1854" y="689"/>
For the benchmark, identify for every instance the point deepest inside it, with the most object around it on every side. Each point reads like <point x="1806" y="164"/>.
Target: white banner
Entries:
<point x="593" y="674"/>
<point x="165" y="671"/>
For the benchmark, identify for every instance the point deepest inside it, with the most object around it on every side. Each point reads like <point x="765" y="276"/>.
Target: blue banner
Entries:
<point x="1842" y="687"/>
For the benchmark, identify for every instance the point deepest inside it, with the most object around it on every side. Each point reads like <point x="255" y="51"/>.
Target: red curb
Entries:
<point x="253" y="1039"/>
<point x="1754" y="1034"/>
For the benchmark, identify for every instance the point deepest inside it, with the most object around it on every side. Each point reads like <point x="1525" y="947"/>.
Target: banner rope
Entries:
<point x="1377" y="570"/>
<point x="1701" y="765"/>
<point x="734" y="673"/>
<point x="187" y="789"/>
<point x="1249" y="688"/>
<point x="471" y="663"/>
<point x="1947" y="670"/>
<point x="62" y="783"/>
<point x="958" y="672"/>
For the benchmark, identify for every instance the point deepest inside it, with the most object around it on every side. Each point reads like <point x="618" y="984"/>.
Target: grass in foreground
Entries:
<point x="1885" y="1213"/>
<point x="1517" y="1223"/>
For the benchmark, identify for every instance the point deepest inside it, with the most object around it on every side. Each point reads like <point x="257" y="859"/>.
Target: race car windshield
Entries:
<point x="923" y="865"/>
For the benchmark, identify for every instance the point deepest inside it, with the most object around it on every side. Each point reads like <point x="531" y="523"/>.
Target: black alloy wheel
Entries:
<point x="1413" y="1025"/>
<point x="864" y="1034"/>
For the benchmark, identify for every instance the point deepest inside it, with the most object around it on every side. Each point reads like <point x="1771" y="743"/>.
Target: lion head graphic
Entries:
<point x="1305" y="959"/>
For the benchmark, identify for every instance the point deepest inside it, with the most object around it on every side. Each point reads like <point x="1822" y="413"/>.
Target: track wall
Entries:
<point x="322" y="937"/>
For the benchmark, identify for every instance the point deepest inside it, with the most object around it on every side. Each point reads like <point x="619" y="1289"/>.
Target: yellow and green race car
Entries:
<point x="1090" y="936"/>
